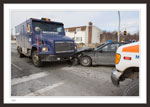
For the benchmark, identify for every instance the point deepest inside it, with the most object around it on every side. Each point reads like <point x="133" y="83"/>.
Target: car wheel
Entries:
<point x="132" y="89"/>
<point x="85" y="61"/>
<point x="20" y="55"/>
<point x="36" y="59"/>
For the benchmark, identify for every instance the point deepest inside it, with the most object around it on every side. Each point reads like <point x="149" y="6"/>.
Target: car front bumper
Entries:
<point x="115" y="77"/>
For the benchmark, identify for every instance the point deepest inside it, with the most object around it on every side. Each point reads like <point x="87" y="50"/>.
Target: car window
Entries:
<point x="110" y="47"/>
<point x="99" y="47"/>
<point x="122" y="44"/>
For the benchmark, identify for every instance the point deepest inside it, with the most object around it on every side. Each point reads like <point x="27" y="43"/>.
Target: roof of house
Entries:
<point x="73" y="29"/>
<point x="83" y="28"/>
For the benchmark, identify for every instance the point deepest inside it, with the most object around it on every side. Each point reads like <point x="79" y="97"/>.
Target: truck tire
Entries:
<point x="85" y="61"/>
<point x="20" y="55"/>
<point x="36" y="59"/>
<point x="132" y="89"/>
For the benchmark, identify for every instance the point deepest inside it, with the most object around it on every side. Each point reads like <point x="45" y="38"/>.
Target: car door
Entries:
<point x="106" y="54"/>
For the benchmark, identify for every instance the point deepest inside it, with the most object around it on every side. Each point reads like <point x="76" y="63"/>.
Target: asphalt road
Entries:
<point x="60" y="79"/>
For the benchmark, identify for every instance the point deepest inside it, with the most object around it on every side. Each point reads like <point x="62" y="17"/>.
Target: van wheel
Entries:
<point x="20" y="55"/>
<point x="36" y="59"/>
<point x="132" y="89"/>
<point x="85" y="61"/>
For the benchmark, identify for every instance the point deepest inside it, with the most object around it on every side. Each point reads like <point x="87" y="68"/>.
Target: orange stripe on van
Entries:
<point x="134" y="48"/>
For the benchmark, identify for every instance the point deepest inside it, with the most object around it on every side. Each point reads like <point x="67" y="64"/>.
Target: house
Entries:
<point x="84" y="34"/>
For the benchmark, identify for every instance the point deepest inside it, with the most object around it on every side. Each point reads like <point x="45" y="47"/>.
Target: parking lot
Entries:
<point x="60" y="79"/>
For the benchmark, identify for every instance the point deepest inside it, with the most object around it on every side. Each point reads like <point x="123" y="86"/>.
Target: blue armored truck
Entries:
<point x="43" y="40"/>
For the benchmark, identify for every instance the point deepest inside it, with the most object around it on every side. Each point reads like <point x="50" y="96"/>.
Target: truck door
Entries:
<point x="26" y="37"/>
<point x="28" y="40"/>
<point x="23" y="38"/>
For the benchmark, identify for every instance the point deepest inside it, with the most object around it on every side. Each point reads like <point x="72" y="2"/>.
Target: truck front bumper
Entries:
<point x="115" y="77"/>
<point x="56" y="57"/>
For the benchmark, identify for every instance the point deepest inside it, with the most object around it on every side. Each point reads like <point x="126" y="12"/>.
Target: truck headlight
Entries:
<point x="44" y="49"/>
<point x="75" y="47"/>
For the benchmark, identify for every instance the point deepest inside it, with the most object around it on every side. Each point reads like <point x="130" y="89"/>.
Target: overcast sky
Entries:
<point x="105" y="20"/>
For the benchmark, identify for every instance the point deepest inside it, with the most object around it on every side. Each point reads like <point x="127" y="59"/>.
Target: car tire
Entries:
<point x="36" y="59"/>
<point x="85" y="61"/>
<point x="20" y="55"/>
<point x="132" y="89"/>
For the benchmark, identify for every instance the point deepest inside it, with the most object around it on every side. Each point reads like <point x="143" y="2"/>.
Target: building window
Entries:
<point x="78" y="39"/>
<point x="78" y="29"/>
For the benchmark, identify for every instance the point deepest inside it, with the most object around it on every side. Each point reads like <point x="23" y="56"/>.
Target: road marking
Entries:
<point x="38" y="92"/>
<point x="28" y="78"/>
<point x="17" y="67"/>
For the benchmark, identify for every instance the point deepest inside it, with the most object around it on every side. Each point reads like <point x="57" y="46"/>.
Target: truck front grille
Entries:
<point x="62" y="47"/>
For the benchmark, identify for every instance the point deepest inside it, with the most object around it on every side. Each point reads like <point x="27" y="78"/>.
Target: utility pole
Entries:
<point x="119" y="27"/>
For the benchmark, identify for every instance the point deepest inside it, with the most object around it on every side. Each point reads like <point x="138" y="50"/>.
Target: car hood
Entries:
<point x="85" y="49"/>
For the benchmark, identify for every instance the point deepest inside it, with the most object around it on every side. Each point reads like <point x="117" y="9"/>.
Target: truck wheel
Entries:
<point x="36" y="59"/>
<point x="132" y="89"/>
<point x="85" y="61"/>
<point x="20" y="55"/>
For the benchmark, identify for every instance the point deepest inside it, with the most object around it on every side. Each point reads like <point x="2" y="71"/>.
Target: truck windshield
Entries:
<point x="46" y="27"/>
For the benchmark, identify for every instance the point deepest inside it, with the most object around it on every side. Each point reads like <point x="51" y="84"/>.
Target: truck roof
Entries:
<point x="120" y="49"/>
<point x="45" y="21"/>
<point x="38" y="20"/>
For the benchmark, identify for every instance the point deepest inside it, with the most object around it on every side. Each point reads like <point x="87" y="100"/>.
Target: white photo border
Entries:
<point x="142" y="98"/>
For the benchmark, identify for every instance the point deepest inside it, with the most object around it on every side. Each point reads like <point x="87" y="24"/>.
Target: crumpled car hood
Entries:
<point x="85" y="49"/>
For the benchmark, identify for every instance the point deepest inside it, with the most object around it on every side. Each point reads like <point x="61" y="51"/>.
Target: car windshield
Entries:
<point x="47" y="27"/>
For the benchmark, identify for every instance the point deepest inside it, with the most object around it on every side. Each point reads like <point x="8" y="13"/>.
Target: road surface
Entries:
<point x="60" y="79"/>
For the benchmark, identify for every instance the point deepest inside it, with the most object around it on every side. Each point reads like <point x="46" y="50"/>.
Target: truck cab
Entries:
<point x="43" y="40"/>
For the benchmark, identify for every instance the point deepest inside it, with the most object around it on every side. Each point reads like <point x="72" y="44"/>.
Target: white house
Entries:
<point x="84" y="34"/>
